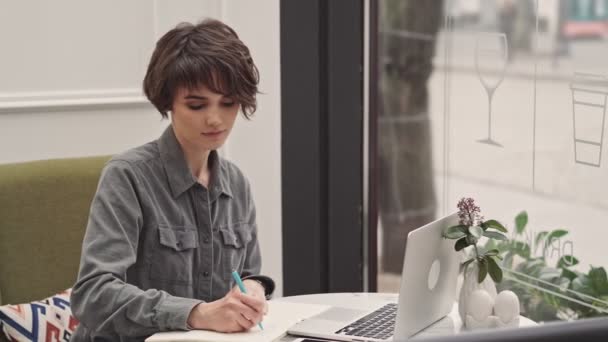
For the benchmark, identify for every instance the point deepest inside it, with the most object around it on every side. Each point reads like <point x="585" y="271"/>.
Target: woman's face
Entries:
<point x="201" y="118"/>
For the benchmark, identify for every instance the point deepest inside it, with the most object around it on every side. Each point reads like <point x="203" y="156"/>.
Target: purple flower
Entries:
<point x="468" y="213"/>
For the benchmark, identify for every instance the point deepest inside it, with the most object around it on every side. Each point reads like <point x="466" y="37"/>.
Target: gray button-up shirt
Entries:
<point x="158" y="243"/>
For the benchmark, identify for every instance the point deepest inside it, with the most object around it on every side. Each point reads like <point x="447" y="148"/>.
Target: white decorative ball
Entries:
<point x="480" y="305"/>
<point x="506" y="306"/>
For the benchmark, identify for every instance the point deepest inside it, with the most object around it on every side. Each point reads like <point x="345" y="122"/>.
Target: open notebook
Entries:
<point x="281" y="316"/>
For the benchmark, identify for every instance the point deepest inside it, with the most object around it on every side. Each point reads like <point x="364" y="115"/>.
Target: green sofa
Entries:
<point x="44" y="206"/>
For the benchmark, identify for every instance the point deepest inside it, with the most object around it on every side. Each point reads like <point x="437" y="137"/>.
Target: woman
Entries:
<point x="171" y="219"/>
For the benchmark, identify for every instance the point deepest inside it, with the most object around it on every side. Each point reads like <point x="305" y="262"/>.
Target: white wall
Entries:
<point x="70" y="86"/>
<point x="256" y="145"/>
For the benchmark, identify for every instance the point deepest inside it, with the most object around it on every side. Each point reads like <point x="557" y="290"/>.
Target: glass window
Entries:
<point x="504" y="102"/>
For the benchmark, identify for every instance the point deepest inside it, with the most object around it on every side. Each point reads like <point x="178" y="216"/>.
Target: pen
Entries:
<point x="239" y="282"/>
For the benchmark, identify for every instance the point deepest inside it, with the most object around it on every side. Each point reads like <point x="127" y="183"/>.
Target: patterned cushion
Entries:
<point x="46" y="320"/>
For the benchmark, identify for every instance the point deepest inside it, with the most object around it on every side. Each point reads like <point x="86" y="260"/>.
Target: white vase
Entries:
<point x="470" y="284"/>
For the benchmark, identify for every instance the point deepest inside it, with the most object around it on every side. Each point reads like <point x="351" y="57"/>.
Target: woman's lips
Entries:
<point x="213" y="134"/>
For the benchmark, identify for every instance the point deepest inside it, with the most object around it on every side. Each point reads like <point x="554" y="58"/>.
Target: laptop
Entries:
<point x="426" y="295"/>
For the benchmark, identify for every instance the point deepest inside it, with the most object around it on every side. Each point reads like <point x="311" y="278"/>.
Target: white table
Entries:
<point x="449" y="325"/>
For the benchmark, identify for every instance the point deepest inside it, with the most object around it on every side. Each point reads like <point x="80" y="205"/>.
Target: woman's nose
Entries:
<point x="214" y="118"/>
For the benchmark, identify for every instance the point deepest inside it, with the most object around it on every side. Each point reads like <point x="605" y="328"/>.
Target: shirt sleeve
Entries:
<point x="266" y="282"/>
<point x="101" y="299"/>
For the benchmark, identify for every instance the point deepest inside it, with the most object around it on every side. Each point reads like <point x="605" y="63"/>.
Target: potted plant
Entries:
<point x="573" y="294"/>
<point x="479" y="305"/>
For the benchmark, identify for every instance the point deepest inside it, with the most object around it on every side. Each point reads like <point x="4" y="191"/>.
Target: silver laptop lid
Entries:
<point x="428" y="281"/>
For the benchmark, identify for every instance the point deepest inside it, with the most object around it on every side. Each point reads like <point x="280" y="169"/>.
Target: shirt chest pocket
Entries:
<point x="234" y="249"/>
<point x="172" y="260"/>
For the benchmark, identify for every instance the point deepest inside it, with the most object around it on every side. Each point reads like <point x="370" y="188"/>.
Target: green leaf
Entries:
<point x="566" y="273"/>
<point x="503" y="246"/>
<point x="567" y="261"/>
<point x="492" y="252"/>
<point x="460" y="227"/>
<point x="539" y="237"/>
<point x="494" y="270"/>
<point x="534" y="265"/>
<point x="496" y="225"/>
<point x="556" y="234"/>
<point x="455" y="232"/>
<point x="534" y="268"/>
<point x="483" y="270"/>
<point x="476" y="231"/>
<point x="491" y="244"/>
<point x="522" y="249"/>
<point x="483" y="226"/>
<point x="521" y="220"/>
<point x="549" y="273"/>
<point x="494" y="235"/>
<point x="581" y="284"/>
<point x="598" y="280"/>
<point x="461" y="244"/>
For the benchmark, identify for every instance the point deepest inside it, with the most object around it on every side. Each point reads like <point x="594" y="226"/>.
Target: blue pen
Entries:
<point x="239" y="282"/>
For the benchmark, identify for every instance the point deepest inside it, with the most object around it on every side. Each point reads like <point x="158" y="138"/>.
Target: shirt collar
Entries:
<point x="178" y="173"/>
<point x="219" y="183"/>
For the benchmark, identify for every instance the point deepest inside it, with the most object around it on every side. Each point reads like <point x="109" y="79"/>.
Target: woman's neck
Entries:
<point x="198" y="161"/>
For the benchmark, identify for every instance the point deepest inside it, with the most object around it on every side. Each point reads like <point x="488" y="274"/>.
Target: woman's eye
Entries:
<point x="228" y="104"/>
<point x="196" y="107"/>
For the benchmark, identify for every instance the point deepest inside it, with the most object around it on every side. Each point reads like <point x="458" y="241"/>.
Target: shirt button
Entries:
<point x="206" y="240"/>
<point x="205" y="274"/>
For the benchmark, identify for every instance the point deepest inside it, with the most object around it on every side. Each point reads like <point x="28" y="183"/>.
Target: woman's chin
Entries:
<point x="209" y="146"/>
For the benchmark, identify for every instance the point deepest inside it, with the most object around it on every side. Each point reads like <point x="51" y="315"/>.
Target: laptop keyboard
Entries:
<point x="378" y="324"/>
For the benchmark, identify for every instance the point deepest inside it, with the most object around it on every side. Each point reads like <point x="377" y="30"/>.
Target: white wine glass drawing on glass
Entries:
<point x="491" y="57"/>
<point x="589" y="99"/>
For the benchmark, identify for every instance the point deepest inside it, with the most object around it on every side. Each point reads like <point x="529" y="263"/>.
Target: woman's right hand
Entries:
<point x="234" y="313"/>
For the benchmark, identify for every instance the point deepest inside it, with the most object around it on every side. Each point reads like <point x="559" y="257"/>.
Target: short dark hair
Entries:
<point x="209" y="53"/>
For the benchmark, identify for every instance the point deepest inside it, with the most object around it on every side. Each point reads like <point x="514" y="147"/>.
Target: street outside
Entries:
<point x="535" y="169"/>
